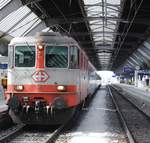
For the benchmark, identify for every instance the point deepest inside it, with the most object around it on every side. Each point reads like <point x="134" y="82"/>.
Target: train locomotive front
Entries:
<point x="47" y="78"/>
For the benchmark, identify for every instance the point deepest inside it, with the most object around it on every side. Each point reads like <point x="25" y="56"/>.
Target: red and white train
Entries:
<point x="49" y="75"/>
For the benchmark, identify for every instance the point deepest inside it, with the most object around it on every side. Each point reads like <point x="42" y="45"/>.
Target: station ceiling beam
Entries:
<point x="30" y="2"/>
<point x="140" y="21"/>
<point x="130" y="34"/>
<point x="83" y="19"/>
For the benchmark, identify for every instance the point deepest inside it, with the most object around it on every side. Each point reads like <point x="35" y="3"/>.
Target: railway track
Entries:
<point x="9" y="133"/>
<point x="26" y="134"/>
<point x="135" y="123"/>
<point x="34" y="134"/>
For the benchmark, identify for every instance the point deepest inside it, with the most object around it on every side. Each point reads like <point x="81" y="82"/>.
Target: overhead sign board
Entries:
<point x="144" y="71"/>
<point x="3" y="66"/>
<point x="128" y="69"/>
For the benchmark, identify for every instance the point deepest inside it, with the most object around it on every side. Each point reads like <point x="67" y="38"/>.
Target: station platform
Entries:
<point x="3" y="106"/>
<point x="99" y="122"/>
<point x="128" y="87"/>
<point x="142" y="92"/>
<point x="138" y="96"/>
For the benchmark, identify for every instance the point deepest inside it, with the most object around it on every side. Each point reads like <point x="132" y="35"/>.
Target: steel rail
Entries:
<point x="127" y="131"/>
<point x="4" y="138"/>
<point x="120" y="92"/>
<point x="11" y="134"/>
<point x="55" y="134"/>
<point x="7" y="137"/>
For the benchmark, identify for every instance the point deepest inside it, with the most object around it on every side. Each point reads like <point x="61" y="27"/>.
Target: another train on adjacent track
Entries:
<point x="49" y="76"/>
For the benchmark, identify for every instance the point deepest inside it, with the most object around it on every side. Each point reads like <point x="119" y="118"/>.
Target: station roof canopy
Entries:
<point x="108" y="30"/>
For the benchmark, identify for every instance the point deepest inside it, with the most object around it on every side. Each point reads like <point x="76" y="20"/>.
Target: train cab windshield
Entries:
<point x="56" y="56"/>
<point x="25" y="56"/>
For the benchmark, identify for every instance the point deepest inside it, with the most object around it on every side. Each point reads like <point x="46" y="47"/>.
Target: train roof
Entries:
<point x="46" y="37"/>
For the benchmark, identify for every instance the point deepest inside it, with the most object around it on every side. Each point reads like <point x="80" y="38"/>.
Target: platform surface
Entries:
<point x="100" y="123"/>
<point x="138" y="96"/>
<point x="3" y="106"/>
<point x="135" y="90"/>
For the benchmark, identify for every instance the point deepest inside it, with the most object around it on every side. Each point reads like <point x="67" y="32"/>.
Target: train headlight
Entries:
<point x="25" y="98"/>
<point x="4" y="82"/>
<point x="61" y="88"/>
<point x="40" y="47"/>
<point x="19" y="87"/>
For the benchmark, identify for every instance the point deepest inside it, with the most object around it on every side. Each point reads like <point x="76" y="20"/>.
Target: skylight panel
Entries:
<point x="13" y="18"/>
<point x="112" y="22"/>
<point x="101" y="54"/>
<point x="3" y="3"/>
<point x="98" y="34"/>
<point x="108" y="39"/>
<point x="102" y="59"/>
<point x="95" y="21"/>
<point x="92" y="1"/>
<point x="104" y="28"/>
<point x="95" y="26"/>
<point x="19" y="22"/>
<point x="112" y="7"/>
<point x="98" y="38"/>
<point x="110" y="26"/>
<point x="114" y="2"/>
<point x="108" y="30"/>
<point x="94" y="8"/>
<point x="97" y="29"/>
<point x="25" y="26"/>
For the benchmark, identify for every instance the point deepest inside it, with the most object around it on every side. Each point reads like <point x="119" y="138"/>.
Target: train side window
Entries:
<point x="74" y="57"/>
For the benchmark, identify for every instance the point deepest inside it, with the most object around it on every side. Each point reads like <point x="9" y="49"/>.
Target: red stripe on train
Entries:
<point x="40" y="58"/>
<point x="41" y="88"/>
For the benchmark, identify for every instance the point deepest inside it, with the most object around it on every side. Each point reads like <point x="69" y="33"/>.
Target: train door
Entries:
<point x="74" y="65"/>
<point x="81" y="76"/>
<point x="86" y="75"/>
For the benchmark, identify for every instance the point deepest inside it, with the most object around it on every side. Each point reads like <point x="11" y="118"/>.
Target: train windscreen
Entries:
<point x="56" y="56"/>
<point x="25" y="56"/>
